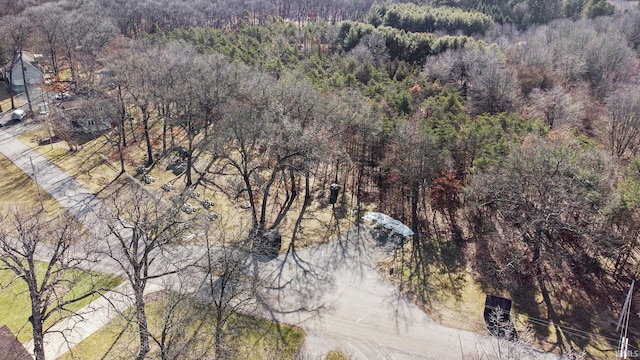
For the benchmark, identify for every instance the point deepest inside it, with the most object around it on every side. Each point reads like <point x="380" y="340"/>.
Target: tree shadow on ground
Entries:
<point x="432" y="269"/>
<point x="582" y="300"/>
<point x="48" y="141"/>
<point x="496" y="275"/>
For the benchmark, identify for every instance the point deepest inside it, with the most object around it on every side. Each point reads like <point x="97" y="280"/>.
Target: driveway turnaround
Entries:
<point x="333" y="291"/>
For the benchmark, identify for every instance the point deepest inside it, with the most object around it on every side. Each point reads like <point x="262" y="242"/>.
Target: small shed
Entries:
<point x="497" y="317"/>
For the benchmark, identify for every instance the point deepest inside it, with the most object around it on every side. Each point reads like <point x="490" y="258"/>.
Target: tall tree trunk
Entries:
<point x="123" y="118"/>
<point x="415" y="199"/>
<point x="38" y="329"/>
<point x="141" y="317"/>
<point x="26" y="86"/>
<point x="147" y="136"/>
<point x="265" y="198"/>
<point x="542" y="284"/>
<point x="164" y="113"/>
<point x="305" y="205"/>
<point x="252" y="201"/>
<point x="54" y="63"/>
<point x="72" y="68"/>
<point x="288" y="201"/>
<point x="217" y="338"/>
<point x="190" y="151"/>
<point x="120" y="145"/>
<point x="164" y="135"/>
<point x="13" y="104"/>
<point x="133" y="133"/>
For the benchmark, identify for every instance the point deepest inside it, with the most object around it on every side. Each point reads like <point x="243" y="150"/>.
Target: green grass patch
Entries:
<point x="246" y="337"/>
<point x="335" y="355"/>
<point x="18" y="189"/>
<point x="15" y="306"/>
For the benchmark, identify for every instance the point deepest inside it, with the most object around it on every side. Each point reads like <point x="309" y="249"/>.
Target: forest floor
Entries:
<point x="450" y="291"/>
<point x="95" y="165"/>
<point x="454" y="297"/>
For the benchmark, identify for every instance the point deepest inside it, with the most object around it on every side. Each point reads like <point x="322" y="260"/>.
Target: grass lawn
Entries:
<point x="85" y="166"/>
<point x="445" y="289"/>
<point x="89" y="167"/>
<point x="15" y="306"/>
<point x="5" y="98"/>
<point x="250" y="338"/>
<point x="18" y="189"/>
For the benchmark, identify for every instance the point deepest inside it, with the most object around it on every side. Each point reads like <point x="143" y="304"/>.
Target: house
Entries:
<point x="82" y="116"/>
<point x="32" y="72"/>
<point x="10" y="347"/>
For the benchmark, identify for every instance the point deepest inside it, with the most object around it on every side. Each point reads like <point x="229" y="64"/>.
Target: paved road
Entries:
<point x="347" y="305"/>
<point x="333" y="291"/>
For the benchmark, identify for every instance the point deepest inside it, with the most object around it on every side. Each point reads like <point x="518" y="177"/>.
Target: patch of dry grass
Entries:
<point x="96" y="165"/>
<point x="5" y="98"/>
<point x="86" y="166"/>
<point x="247" y="337"/>
<point x="449" y="292"/>
<point x="335" y="355"/>
<point x="18" y="189"/>
<point x="443" y="287"/>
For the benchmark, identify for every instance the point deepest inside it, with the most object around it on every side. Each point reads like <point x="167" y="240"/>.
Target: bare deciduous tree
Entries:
<point x="557" y="107"/>
<point x="480" y="73"/>
<point x="142" y="237"/>
<point x="622" y="125"/>
<point x="285" y="136"/>
<point x="27" y="238"/>
<point x="548" y="191"/>
<point x="231" y="285"/>
<point x="19" y="30"/>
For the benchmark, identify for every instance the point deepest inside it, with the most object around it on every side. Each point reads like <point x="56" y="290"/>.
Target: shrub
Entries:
<point x="212" y="216"/>
<point x="207" y="203"/>
<point x="148" y="179"/>
<point x="188" y="208"/>
<point x="192" y="193"/>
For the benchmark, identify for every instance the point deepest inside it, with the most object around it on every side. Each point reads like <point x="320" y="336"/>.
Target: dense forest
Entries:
<point x="507" y="129"/>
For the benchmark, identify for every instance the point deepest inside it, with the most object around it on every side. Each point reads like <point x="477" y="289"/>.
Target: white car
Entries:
<point x="18" y="115"/>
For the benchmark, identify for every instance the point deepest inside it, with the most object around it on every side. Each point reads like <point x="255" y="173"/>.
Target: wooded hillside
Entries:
<point x="508" y="130"/>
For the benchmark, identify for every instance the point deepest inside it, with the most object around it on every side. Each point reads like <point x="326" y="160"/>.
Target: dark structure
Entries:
<point x="267" y="246"/>
<point x="497" y="317"/>
<point x="333" y="193"/>
<point x="10" y="347"/>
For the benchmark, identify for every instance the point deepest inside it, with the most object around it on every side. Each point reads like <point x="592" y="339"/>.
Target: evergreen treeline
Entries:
<point x="421" y="18"/>
<point x="412" y="47"/>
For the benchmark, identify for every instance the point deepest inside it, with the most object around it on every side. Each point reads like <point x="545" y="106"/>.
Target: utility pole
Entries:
<point x="35" y="177"/>
<point x="623" y="325"/>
